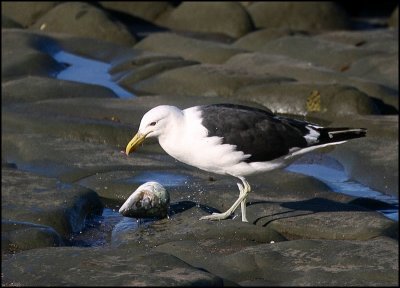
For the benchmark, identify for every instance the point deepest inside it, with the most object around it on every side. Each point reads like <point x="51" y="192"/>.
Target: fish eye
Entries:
<point x="153" y="123"/>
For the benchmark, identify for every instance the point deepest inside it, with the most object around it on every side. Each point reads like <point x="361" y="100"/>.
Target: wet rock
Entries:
<point x="124" y="62"/>
<point x="108" y="266"/>
<point x="129" y="72"/>
<point x="256" y="40"/>
<point x="188" y="48"/>
<point x="374" y="160"/>
<point x="185" y="226"/>
<point x="214" y="245"/>
<point x="332" y="100"/>
<point x="41" y="88"/>
<point x="227" y="18"/>
<point x="7" y="22"/>
<point x="142" y="9"/>
<point x="46" y="201"/>
<point x="18" y="236"/>
<point x="26" y="13"/>
<point x="69" y="160"/>
<point x="296" y="213"/>
<point x="378" y="67"/>
<point x="202" y="80"/>
<point x="76" y="132"/>
<point x="320" y="16"/>
<point x="378" y="40"/>
<point x="24" y="53"/>
<point x="149" y="200"/>
<point x="394" y="18"/>
<point x="93" y="48"/>
<point x="316" y="51"/>
<point x="81" y="19"/>
<point x="104" y="128"/>
<point x="99" y="122"/>
<point x="302" y="71"/>
<point x="337" y="225"/>
<point x="382" y="69"/>
<point x="315" y="262"/>
<point x="310" y="208"/>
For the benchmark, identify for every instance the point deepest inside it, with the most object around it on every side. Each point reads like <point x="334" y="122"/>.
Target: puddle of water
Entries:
<point x="47" y="169"/>
<point x="339" y="182"/>
<point x="88" y="71"/>
<point x="164" y="178"/>
<point x="99" y="229"/>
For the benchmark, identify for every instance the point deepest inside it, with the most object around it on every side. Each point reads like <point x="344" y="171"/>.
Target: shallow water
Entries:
<point x="89" y="71"/>
<point x="101" y="229"/>
<point x="333" y="174"/>
<point x="165" y="178"/>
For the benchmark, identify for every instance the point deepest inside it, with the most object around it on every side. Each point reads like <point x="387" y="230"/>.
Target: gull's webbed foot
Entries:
<point x="216" y="216"/>
<point x="244" y="189"/>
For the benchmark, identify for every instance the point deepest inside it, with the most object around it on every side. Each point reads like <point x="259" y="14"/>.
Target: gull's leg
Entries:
<point x="247" y="190"/>
<point x="243" y="209"/>
<point x="244" y="190"/>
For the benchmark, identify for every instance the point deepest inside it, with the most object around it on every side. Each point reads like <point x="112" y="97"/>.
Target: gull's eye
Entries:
<point x="153" y="123"/>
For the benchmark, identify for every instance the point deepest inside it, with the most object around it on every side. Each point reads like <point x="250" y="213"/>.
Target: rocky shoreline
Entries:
<point x="61" y="144"/>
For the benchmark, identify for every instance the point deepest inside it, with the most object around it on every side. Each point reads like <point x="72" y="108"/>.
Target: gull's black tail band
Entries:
<point x="330" y="135"/>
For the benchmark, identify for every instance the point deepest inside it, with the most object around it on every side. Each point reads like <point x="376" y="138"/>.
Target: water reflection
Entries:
<point x="88" y="71"/>
<point x="165" y="178"/>
<point x="339" y="182"/>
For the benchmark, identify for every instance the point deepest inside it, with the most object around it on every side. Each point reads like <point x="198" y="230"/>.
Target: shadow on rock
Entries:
<point x="179" y="207"/>
<point x="306" y="207"/>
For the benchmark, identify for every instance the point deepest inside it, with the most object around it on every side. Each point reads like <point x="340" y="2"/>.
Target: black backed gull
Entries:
<point x="234" y="140"/>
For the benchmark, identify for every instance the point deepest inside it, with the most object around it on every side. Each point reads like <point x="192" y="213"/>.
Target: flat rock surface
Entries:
<point x="310" y="262"/>
<point x="46" y="201"/>
<point x="74" y="264"/>
<point x="328" y="219"/>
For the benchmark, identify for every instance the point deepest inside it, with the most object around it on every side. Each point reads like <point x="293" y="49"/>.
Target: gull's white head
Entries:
<point x="153" y="124"/>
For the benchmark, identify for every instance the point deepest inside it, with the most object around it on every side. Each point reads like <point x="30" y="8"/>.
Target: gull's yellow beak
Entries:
<point x="134" y="143"/>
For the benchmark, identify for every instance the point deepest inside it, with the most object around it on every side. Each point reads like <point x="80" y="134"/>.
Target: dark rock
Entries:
<point x="302" y="71"/>
<point x="46" y="201"/>
<point x="142" y="70"/>
<point x="185" y="226"/>
<point x="188" y="48"/>
<point x="373" y="161"/>
<point x="55" y="130"/>
<point x="81" y="19"/>
<point x="108" y="266"/>
<point x="382" y="69"/>
<point x="204" y="80"/>
<point x="124" y="63"/>
<point x="326" y="262"/>
<point x="7" y="22"/>
<point x="257" y="39"/>
<point x="394" y="18"/>
<point x="24" y="53"/>
<point x="18" y="236"/>
<point x="299" y="15"/>
<point x="41" y="88"/>
<point x="377" y="40"/>
<point x="319" y="52"/>
<point x="104" y="128"/>
<point x="95" y="48"/>
<point x="294" y="98"/>
<point x="148" y="10"/>
<point x="315" y="262"/>
<point x="381" y="66"/>
<point x="337" y="225"/>
<point x="227" y="18"/>
<point x="26" y="12"/>
<point x="101" y="125"/>
<point x="213" y="246"/>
